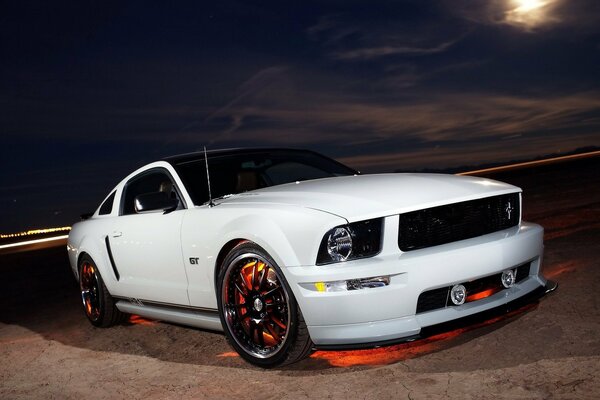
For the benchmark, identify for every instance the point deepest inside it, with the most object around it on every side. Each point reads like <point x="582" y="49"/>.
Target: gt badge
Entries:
<point x="194" y="260"/>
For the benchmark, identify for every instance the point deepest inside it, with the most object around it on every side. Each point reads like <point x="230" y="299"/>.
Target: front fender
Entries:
<point x="291" y="235"/>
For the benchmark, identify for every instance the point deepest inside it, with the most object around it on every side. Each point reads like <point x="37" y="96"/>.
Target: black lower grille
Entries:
<point x="523" y="272"/>
<point x="432" y="299"/>
<point x="438" y="298"/>
<point x="453" y="222"/>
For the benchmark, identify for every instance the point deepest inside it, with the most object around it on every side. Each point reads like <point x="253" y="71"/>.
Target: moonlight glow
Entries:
<point x="529" y="13"/>
<point x="524" y="6"/>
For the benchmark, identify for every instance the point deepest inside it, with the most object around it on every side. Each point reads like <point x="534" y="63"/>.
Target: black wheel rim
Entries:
<point x="256" y="306"/>
<point x="90" y="291"/>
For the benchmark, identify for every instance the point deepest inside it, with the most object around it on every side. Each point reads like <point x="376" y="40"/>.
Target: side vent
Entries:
<point x="110" y="257"/>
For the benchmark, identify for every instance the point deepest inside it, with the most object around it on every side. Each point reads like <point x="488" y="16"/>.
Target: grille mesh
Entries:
<point x="453" y="222"/>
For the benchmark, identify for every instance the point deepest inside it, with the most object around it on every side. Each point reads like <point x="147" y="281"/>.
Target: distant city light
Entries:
<point x="552" y="160"/>
<point x="35" y="232"/>
<point x="34" y="241"/>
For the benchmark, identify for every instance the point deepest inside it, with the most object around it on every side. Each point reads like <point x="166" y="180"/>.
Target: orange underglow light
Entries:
<point x="401" y="352"/>
<point x="229" y="354"/>
<point x="561" y="268"/>
<point x="482" y="295"/>
<point x="390" y="354"/>
<point x="137" y="320"/>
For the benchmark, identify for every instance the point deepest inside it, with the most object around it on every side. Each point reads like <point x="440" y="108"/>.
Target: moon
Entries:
<point x="523" y="6"/>
<point x="529" y="13"/>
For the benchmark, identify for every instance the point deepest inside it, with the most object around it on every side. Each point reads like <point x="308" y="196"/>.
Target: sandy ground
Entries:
<point x="549" y="349"/>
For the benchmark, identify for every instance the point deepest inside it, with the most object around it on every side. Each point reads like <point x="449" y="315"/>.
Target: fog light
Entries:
<point x="508" y="278"/>
<point x="458" y="294"/>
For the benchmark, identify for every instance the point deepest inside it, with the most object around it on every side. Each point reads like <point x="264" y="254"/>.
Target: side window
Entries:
<point x="107" y="206"/>
<point x="148" y="182"/>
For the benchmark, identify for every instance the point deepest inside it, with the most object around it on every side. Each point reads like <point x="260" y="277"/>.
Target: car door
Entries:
<point x="146" y="247"/>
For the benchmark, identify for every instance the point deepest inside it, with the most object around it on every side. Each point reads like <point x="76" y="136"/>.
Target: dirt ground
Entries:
<point x="549" y="349"/>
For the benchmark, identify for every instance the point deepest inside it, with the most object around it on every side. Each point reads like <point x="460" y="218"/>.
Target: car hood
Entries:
<point x="362" y="197"/>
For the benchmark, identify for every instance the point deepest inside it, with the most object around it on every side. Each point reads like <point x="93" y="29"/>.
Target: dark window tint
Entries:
<point x="237" y="173"/>
<point x="107" y="206"/>
<point x="156" y="180"/>
<point x="291" y="171"/>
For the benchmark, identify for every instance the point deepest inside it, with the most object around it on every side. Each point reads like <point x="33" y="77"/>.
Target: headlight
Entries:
<point x="339" y="244"/>
<point x="348" y="242"/>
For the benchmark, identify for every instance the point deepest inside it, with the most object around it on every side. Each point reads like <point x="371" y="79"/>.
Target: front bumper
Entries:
<point x="454" y="324"/>
<point x="388" y="314"/>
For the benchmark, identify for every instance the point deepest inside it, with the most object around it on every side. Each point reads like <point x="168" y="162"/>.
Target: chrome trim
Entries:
<point x="551" y="286"/>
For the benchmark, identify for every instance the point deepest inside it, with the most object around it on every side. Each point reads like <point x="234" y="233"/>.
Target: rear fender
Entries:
<point x="95" y="248"/>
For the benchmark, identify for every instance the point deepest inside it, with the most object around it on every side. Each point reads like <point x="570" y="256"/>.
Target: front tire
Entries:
<point x="98" y="304"/>
<point x="258" y="311"/>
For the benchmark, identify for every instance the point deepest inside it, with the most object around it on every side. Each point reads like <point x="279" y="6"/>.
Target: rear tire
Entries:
<point x="258" y="311"/>
<point x="98" y="304"/>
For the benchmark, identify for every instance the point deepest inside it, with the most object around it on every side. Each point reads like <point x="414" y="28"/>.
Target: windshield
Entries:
<point x="241" y="172"/>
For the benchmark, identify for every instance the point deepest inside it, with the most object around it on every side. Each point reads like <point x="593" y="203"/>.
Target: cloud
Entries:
<point x="433" y="132"/>
<point x="373" y="52"/>
<point x="433" y="117"/>
<point x="467" y="153"/>
<point x="293" y="106"/>
<point x="425" y="129"/>
<point x="280" y="107"/>
<point x="349" y="39"/>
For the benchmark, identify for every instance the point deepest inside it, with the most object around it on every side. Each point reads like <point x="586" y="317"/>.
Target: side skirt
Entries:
<point x="196" y="317"/>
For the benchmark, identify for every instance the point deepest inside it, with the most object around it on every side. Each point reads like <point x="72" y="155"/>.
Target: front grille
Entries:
<point x="453" y="222"/>
<point x="438" y="298"/>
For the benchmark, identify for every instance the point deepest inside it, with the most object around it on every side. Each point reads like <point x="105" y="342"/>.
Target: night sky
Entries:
<point x="90" y="91"/>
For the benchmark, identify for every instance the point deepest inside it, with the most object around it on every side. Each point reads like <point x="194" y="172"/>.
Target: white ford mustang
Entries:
<point x="293" y="251"/>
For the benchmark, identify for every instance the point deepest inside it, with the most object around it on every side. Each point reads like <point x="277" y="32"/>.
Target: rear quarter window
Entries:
<point x="107" y="206"/>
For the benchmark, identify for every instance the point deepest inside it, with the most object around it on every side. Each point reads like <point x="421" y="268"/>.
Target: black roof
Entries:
<point x="199" y="155"/>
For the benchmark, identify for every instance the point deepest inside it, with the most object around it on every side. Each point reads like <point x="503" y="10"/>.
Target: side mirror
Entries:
<point x="155" y="201"/>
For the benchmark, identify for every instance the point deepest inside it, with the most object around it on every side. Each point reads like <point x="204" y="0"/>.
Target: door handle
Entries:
<point x="116" y="233"/>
